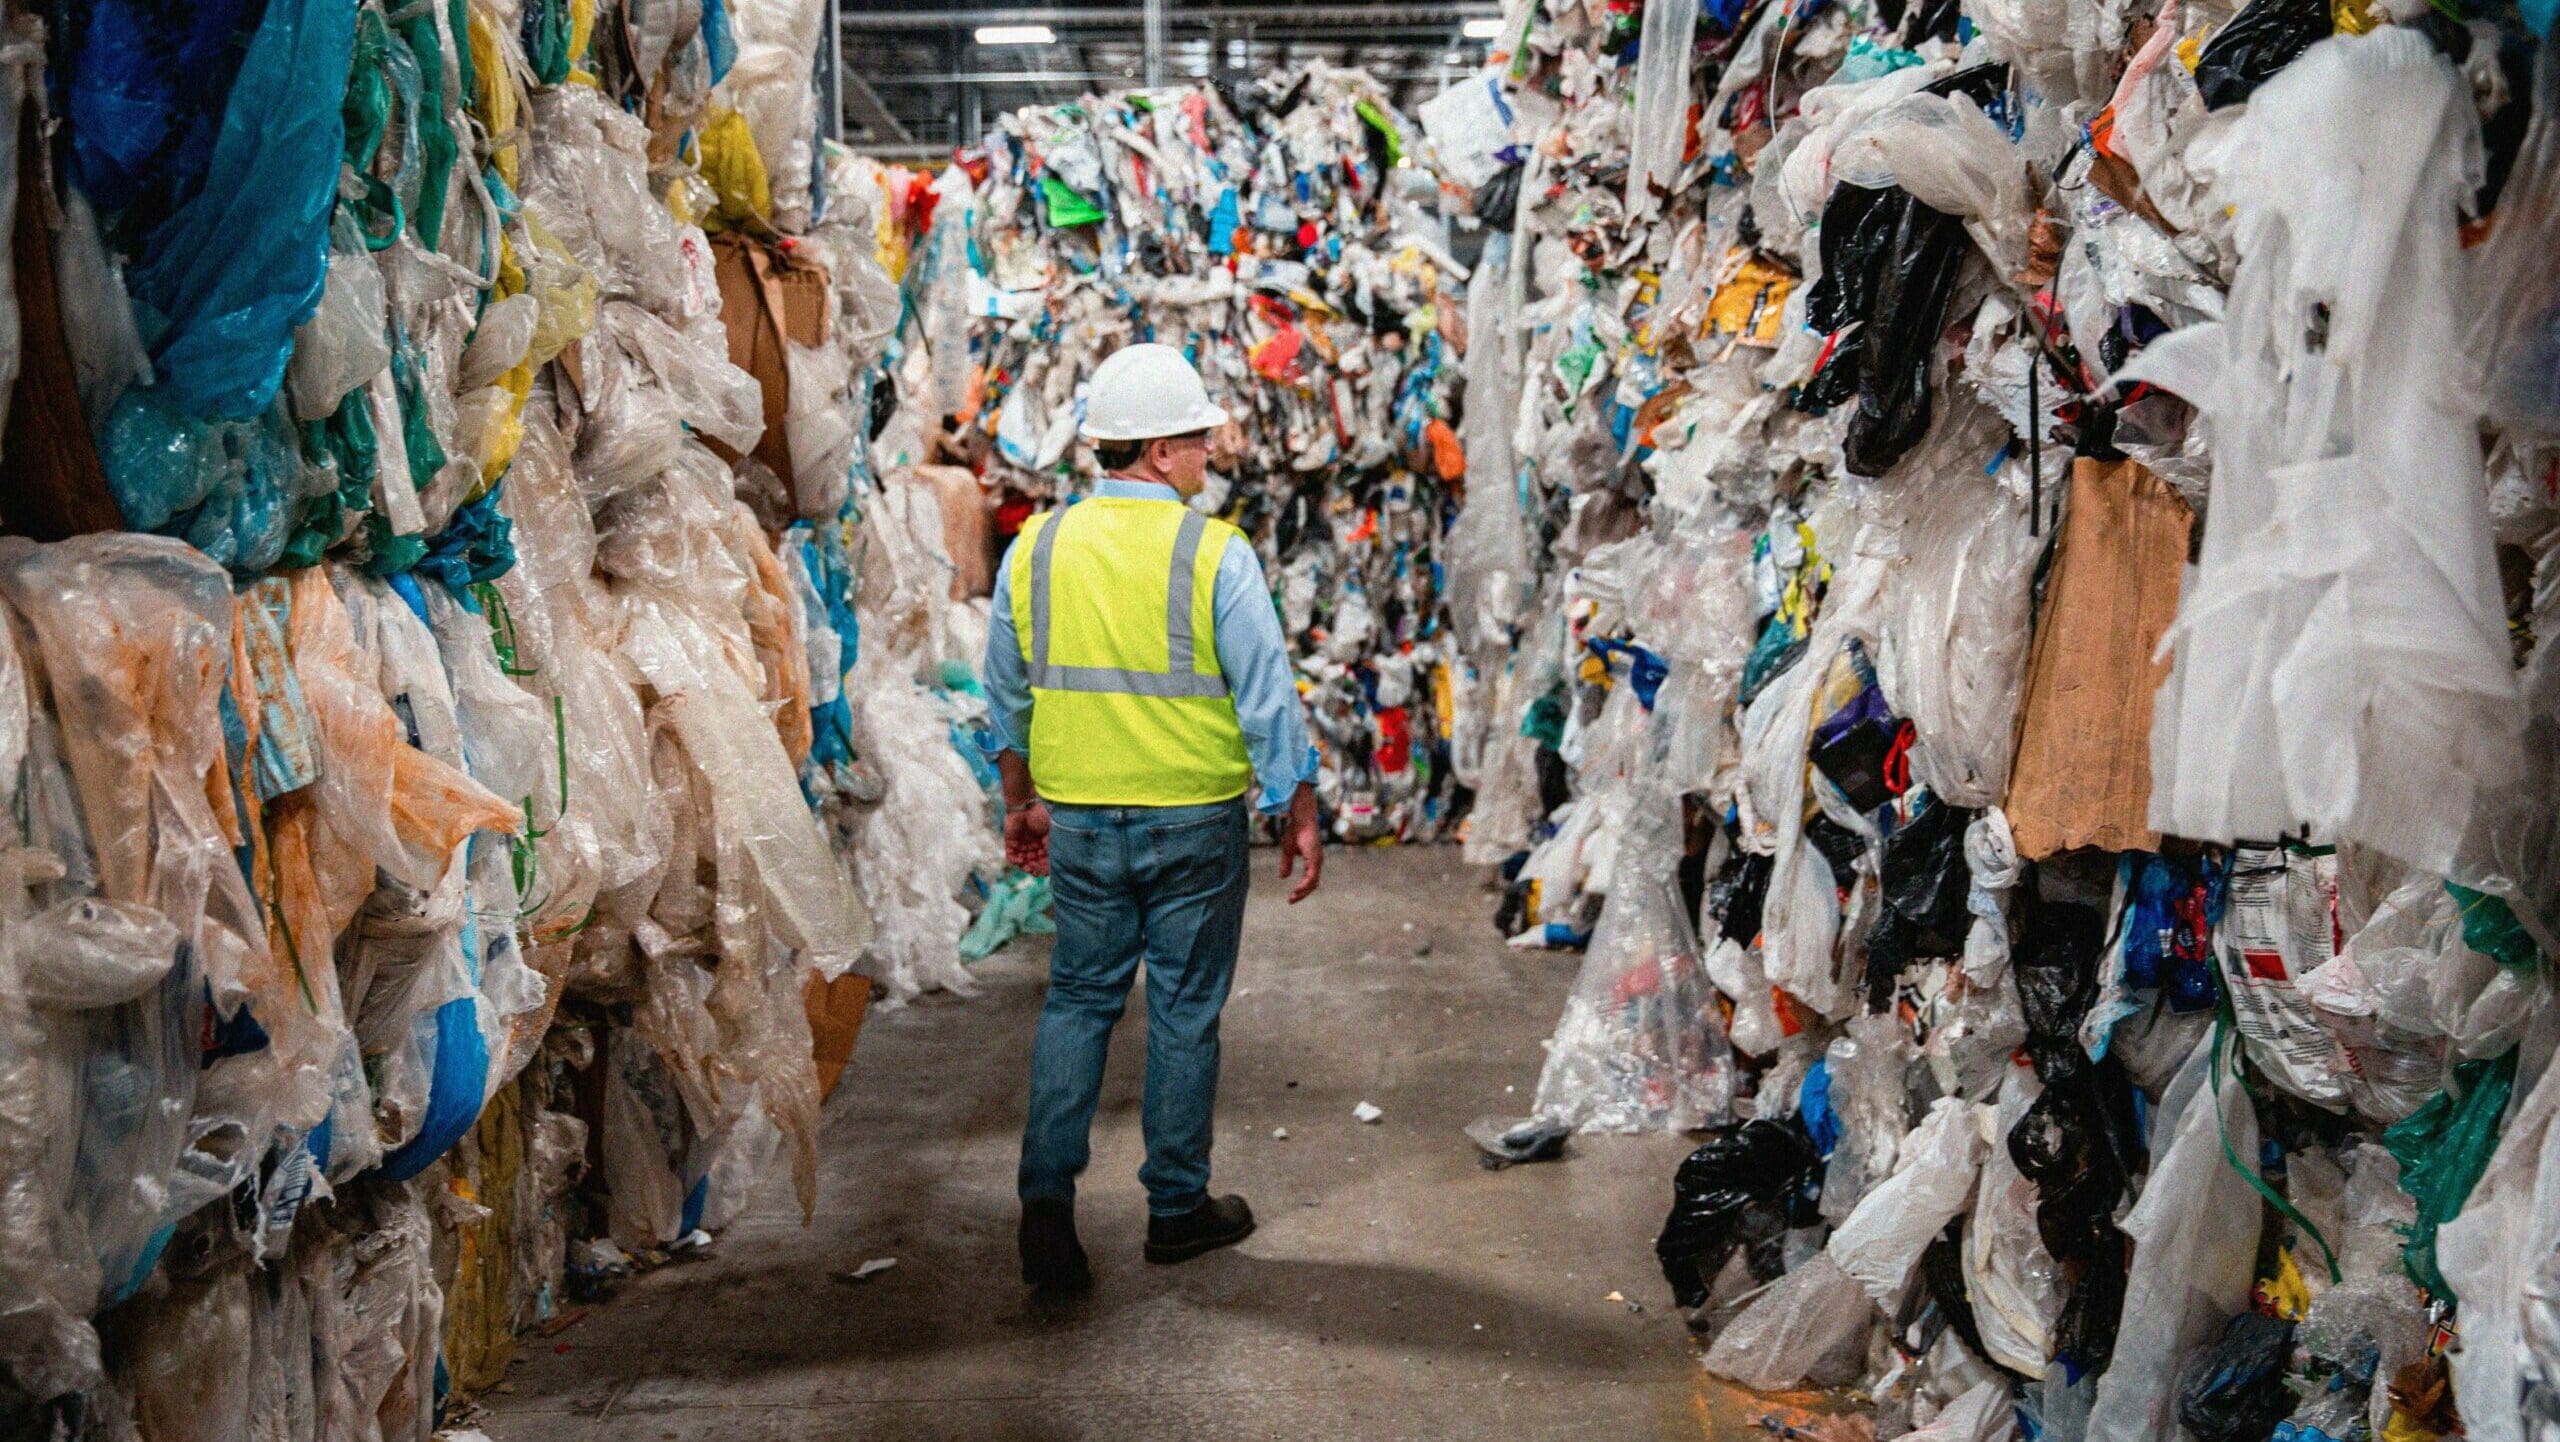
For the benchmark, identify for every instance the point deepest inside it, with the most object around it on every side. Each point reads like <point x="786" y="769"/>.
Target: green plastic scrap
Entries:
<point x="2489" y="927"/>
<point x="1542" y="720"/>
<point x="2442" y="1148"/>
<point x="1018" y="905"/>
<point x="1378" y="121"/>
<point x="1068" y="206"/>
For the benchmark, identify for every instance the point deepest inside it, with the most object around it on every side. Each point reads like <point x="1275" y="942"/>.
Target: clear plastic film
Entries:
<point x="1639" y="1047"/>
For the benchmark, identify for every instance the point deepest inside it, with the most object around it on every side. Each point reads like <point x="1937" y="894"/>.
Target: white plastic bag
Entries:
<point x="1934" y="1169"/>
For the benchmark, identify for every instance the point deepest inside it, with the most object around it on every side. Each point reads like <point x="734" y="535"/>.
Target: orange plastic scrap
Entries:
<point x="293" y="988"/>
<point x="1277" y="357"/>
<point x="379" y="802"/>
<point x="782" y="652"/>
<point x="1448" y="457"/>
<point x="132" y="634"/>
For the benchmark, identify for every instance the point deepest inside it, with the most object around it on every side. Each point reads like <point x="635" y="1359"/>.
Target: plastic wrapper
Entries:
<point x="1879" y="1243"/>
<point x="1639" y="1047"/>
<point x="1811" y="1325"/>
<point x="2195" y="1244"/>
<point x="2249" y="739"/>
<point x="2014" y="1283"/>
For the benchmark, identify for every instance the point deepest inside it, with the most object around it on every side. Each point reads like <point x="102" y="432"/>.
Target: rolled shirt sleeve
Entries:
<point x="1007" y="684"/>
<point x="1254" y="654"/>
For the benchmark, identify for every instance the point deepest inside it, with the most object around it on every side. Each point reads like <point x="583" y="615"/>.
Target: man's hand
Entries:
<point x="1300" y="841"/>
<point x="1026" y="837"/>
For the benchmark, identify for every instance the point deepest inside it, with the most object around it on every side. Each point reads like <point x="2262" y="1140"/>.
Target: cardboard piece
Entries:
<point x="2083" y="776"/>
<point x="770" y="300"/>
<point x="836" y="1009"/>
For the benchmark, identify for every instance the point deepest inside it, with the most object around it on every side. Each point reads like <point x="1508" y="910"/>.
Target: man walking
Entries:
<point x="1141" y="688"/>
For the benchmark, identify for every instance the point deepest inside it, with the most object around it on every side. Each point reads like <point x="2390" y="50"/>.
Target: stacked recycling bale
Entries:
<point x="1286" y="233"/>
<point x="440" y="476"/>
<point x="2133" y="978"/>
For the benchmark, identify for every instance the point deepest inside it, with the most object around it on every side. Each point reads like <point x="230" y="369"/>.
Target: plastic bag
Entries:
<point x="2264" y="38"/>
<point x="1880" y="1243"/>
<point x="1810" y="1326"/>
<point x="2195" y="1247"/>
<point x="2515" y="331"/>
<point x="2279" y="712"/>
<point x="2234" y="1390"/>
<point x="763" y="823"/>
<point x="2444" y="1148"/>
<point x="1663" y="60"/>
<point x="1639" y="1047"/>
<point x="131" y="636"/>
<point x="1955" y="652"/>
<point x="346" y="341"/>
<point x="1734" y="1190"/>
<point x="1926" y="890"/>
<point x="2014" y="1284"/>
<point x="1949" y="156"/>
<point x="231" y="274"/>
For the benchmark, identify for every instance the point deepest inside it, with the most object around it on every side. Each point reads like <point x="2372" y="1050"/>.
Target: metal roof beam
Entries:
<point x="1367" y="16"/>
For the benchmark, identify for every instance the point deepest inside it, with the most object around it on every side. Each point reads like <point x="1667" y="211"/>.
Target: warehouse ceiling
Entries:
<point x="916" y="81"/>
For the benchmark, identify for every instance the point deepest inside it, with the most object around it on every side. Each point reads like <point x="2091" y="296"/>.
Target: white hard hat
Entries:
<point x="1141" y="392"/>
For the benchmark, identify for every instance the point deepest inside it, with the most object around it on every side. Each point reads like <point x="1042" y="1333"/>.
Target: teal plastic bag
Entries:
<point x="1016" y="906"/>
<point x="221" y="284"/>
<point x="2442" y="1148"/>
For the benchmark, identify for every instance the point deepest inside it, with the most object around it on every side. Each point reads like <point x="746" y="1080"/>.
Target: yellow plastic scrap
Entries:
<point x="1749" y="297"/>
<point x="2285" y="1293"/>
<point x="2350" y="17"/>
<point x="498" y="442"/>
<point x="564" y="290"/>
<point x="736" y="170"/>
<point x="582" y="30"/>
<point x="496" y="103"/>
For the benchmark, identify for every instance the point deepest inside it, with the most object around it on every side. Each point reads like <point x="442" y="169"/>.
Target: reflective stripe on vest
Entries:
<point x="1178" y="679"/>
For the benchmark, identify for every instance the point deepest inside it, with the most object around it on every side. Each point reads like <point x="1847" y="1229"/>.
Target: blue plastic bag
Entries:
<point x="140" y="87"/>
<point x="221" y="284"/>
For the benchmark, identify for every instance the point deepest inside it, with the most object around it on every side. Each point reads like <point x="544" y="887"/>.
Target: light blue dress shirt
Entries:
<point x="1251" y="651"/>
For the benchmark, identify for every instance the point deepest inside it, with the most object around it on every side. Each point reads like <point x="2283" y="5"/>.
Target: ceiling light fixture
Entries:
<point x="1016" y="35"/>
<point x="1485" y="29"/>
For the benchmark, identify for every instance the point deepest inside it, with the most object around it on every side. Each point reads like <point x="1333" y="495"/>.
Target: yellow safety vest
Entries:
<point x="1114" y="605"/>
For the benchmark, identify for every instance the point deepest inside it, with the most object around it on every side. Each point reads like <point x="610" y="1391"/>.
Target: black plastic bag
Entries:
<point x="1910" y="311"/>
<point x="2078" y="1145"/>
<point x="1498" y="199"/>
<point x="2261" y="40"/>
<point x="1856" y="237"/>
<point x="2055" y="960"/>
<point x="1924" y="884"/>
<point x="2232" y="1390"/>
<point x="1739" y="896"/>
<point x="1743" y="1187"/>
<point x="1926" y="881"/>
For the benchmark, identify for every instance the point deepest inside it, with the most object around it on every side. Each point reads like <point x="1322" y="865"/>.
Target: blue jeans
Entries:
<point x="1163" y="883"/>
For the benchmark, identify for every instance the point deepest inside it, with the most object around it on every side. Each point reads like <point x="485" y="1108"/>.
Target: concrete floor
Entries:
<point x="1395" y="1290"/>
